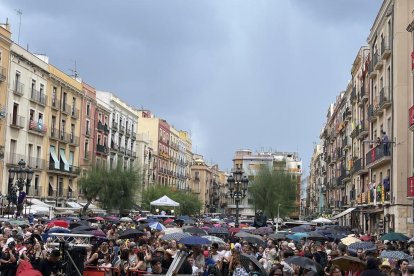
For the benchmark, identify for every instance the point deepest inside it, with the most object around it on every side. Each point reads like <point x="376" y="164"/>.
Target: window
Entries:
<point x="86" y="148"/>
<point x="36" y="184"/>
<point x="88" y="109"/>
<point x="54" y="94"/>
<point x="32" y="114"/>
<point x="53" y="124"/>
<point x="100" y="117"/>
<point x="42" y="89"/>
<point x="60" y="186"/>
<point x="33" y="89"/>
<point x="17" y="81"/>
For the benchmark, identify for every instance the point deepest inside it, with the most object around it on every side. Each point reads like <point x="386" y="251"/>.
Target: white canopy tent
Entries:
<point x="165" y="201"/>
<point x="322" y="220"/>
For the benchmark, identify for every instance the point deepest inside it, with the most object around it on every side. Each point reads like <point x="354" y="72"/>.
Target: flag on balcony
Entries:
<point x="38" y="126"/>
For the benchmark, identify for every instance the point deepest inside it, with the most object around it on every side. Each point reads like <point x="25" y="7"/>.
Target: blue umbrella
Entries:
<point x="195" y="240"/>
<point x="366" y="246"/>
<point x="297" y="236"/>
<point x="54" y="230"/>
<point x="157" y="226"/>
<point x="301" y="228"/>
<point x="218" y="230"/>
<point x="175" y="236"/>
<point x="396" y="255"/>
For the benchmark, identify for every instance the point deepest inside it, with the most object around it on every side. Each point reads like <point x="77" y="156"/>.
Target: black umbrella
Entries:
<point x="278" y="236"/>
<point x="195" y="231"/>
<point x="254" y="240"/>
<point x="245" y="260"/>
<point x="73" y="225"/>
<point x="218" y="230"/>
<point x="316" y="236"/>
<point x="130" y="234"/>
<point x="82" y="228"/>
<point x="305" y="262"/>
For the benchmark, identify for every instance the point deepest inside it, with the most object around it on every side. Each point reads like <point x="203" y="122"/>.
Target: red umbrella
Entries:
<point x="60" y="223"/>
<point x="26" y="269"/>
<point x="365" y="238"/>
<point x="169" y="220"/>
<point x="234" y="230"/>
<point x="98" y="218"/>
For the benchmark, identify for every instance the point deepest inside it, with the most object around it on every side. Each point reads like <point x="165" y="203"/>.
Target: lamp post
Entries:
<point x="24" y="176"/>
<point x="238" y="186"/>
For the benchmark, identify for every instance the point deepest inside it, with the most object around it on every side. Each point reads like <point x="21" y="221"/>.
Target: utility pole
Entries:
<point x="278" y="217"/>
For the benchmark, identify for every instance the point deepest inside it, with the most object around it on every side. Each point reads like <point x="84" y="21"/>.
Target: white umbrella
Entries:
<point x="172" y="230"/>
<point x="214" y="239"/>
<point x="321" y="220"/>
<point x="126" y="219"/>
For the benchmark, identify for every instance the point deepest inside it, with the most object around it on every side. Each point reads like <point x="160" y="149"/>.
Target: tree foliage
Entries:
<point x="189" y="203"/>
<point x="271" y="188"/>
<point x="115" y="188"/>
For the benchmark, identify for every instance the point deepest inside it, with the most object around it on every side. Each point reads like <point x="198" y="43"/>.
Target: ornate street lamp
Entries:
<point x="238" y="184"/>
<point x="24" y="176"/>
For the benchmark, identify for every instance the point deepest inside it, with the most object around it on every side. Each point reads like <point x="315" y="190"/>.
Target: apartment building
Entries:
<point x="186" y="161"/>
<point x="146" y="161"/>
<point x="27" y="116"/>
<point x="65" y="101"/>
<point x="251" y="163"/>
<point x="201" y="181"/>
<point x="101" y="144"/>
<point x="88" y="134"/>
<point x="372" y="194"/>
<point x="123" y="131"/>
<point x="5" y="44"/>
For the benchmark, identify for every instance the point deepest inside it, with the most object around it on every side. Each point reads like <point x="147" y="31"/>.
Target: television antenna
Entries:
<point x="19" y="12"/>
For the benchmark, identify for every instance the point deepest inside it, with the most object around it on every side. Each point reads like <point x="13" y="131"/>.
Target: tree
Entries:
<point x="189" y="203"/>
<point x="115" y="188"/>
<point x="271" y="188"/>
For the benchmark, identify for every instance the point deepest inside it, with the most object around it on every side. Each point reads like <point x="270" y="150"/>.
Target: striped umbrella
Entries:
<point x="214" y="239"/>
<point x="175" y="236"/>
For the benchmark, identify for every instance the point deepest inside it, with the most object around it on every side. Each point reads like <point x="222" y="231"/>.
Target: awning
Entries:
<point x="54" y="157"/>
<point x="165" y="201"/>
<point x="64" y="160"/>
<point x="347" y="211"/>
<point x="37" y="202"/>
<point x="73" y="204"/>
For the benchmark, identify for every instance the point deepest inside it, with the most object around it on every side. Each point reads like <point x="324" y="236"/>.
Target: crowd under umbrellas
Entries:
<point x="216" y="247"/>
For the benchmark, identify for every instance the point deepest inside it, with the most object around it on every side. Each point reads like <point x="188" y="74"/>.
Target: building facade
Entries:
<point x="370" y="147"/>
<point x="101" y="144"/>
<point x="252" y="163"/>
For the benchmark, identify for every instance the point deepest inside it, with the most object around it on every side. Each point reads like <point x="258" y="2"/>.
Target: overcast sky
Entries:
<point x="250" y="74"/>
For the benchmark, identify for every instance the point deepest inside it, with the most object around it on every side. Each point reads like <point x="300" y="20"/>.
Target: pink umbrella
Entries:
<point x="217" y="225"/>
<point x="60" y="223"/>
<point x="205" y="228"/>
<point x="98" y="218"/>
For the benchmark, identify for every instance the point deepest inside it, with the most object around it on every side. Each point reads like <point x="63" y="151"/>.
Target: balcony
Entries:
<point x="371" y="70"/>
<point x="61" y="168"/>
<point x="346" y="116"/>
<point x="133" y="135"/>
<point x="411" y="117"/>
<point x="114" y="125"/>
<point x="363" y="95"/>
<point x="18" y="88"/>
<point x="371" y="116"/>
<point x="362" y="131"/>
<point x="87" y="155"/>
<point x="354" y="132"/>
<point x="34" y="192"/>
<point x="114" y="146"/>
<point x="37" y="127"/>
<point x="36" y="163"/>
<point x="55" y="104"/>
<point x="122" y="150"/>
<point x="64" y="137"/>
<point x="345" y="145"/>
<point x="14" y="158"/>
<point x="88" y="132"/>
<point x="377" y="156"/>
<point x="54" y="134"/>
<point x="122" y="130"/>
<point x="74" y="140"/>
<point x="2" y="73"/>
<point x="18" y="122"/>
<point x="38" y="97"/>
<point x="74" y="113"/>
<point x="101" y="149"/>
<point x="134" y="154"/>
<point x="128" y="132"/>
<point x="128" y="152"/>
<point x="385" y="47"/>
<point x="353" y="97"/>
<point x="66" y="109"/>
<point x="385" y="97"/>
<point x="101" y="127"/>
<point x="379" y="63"/>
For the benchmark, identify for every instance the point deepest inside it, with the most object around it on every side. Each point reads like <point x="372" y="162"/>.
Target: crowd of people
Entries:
<point x="25" y="249"/>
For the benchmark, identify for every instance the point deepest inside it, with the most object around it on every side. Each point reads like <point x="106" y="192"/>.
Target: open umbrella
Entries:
<point x="130" y="234"/>
<point x="168" y="221"/>
<point x="345" y="262"/>
<point x="55" y="229"/>
<point x="112" y="219"/>
<point x="173" y="230"/>
<point x="394" y="236"/>
<point x="365" y="246"/>
<point x="195" y="231"/>
<point x="243" y="234"/>
<point x="278" y="236"/>
<point x="60" y="223"/>
<point x="254" y="240"/>
<point x="302" y="228"/>
<point x="214" y="239"/>
<point x="245" y="261"/>
<point x="316" y="236"/>
<point x="395" y="255"/>
<point x="297" y="236"/>
<point x="82" y="229"/>
<point x="175" y="236"/>
<point x="218" y="230"/>
<point x="263" y="231"/>
<point x="157" y="226"/>
<point x="365" y="237"/>
<point x="194" y="240"/>
<point x="125" y="219"/>
<point x="305" y="263"/>
<point x="18" y="222"/>
<point x="350" y="240"/>
<point x="234" y="230"/>
<point x="322" y="220"/>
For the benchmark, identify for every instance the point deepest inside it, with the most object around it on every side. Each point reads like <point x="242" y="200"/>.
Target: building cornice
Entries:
<point x="386" y="5"/>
